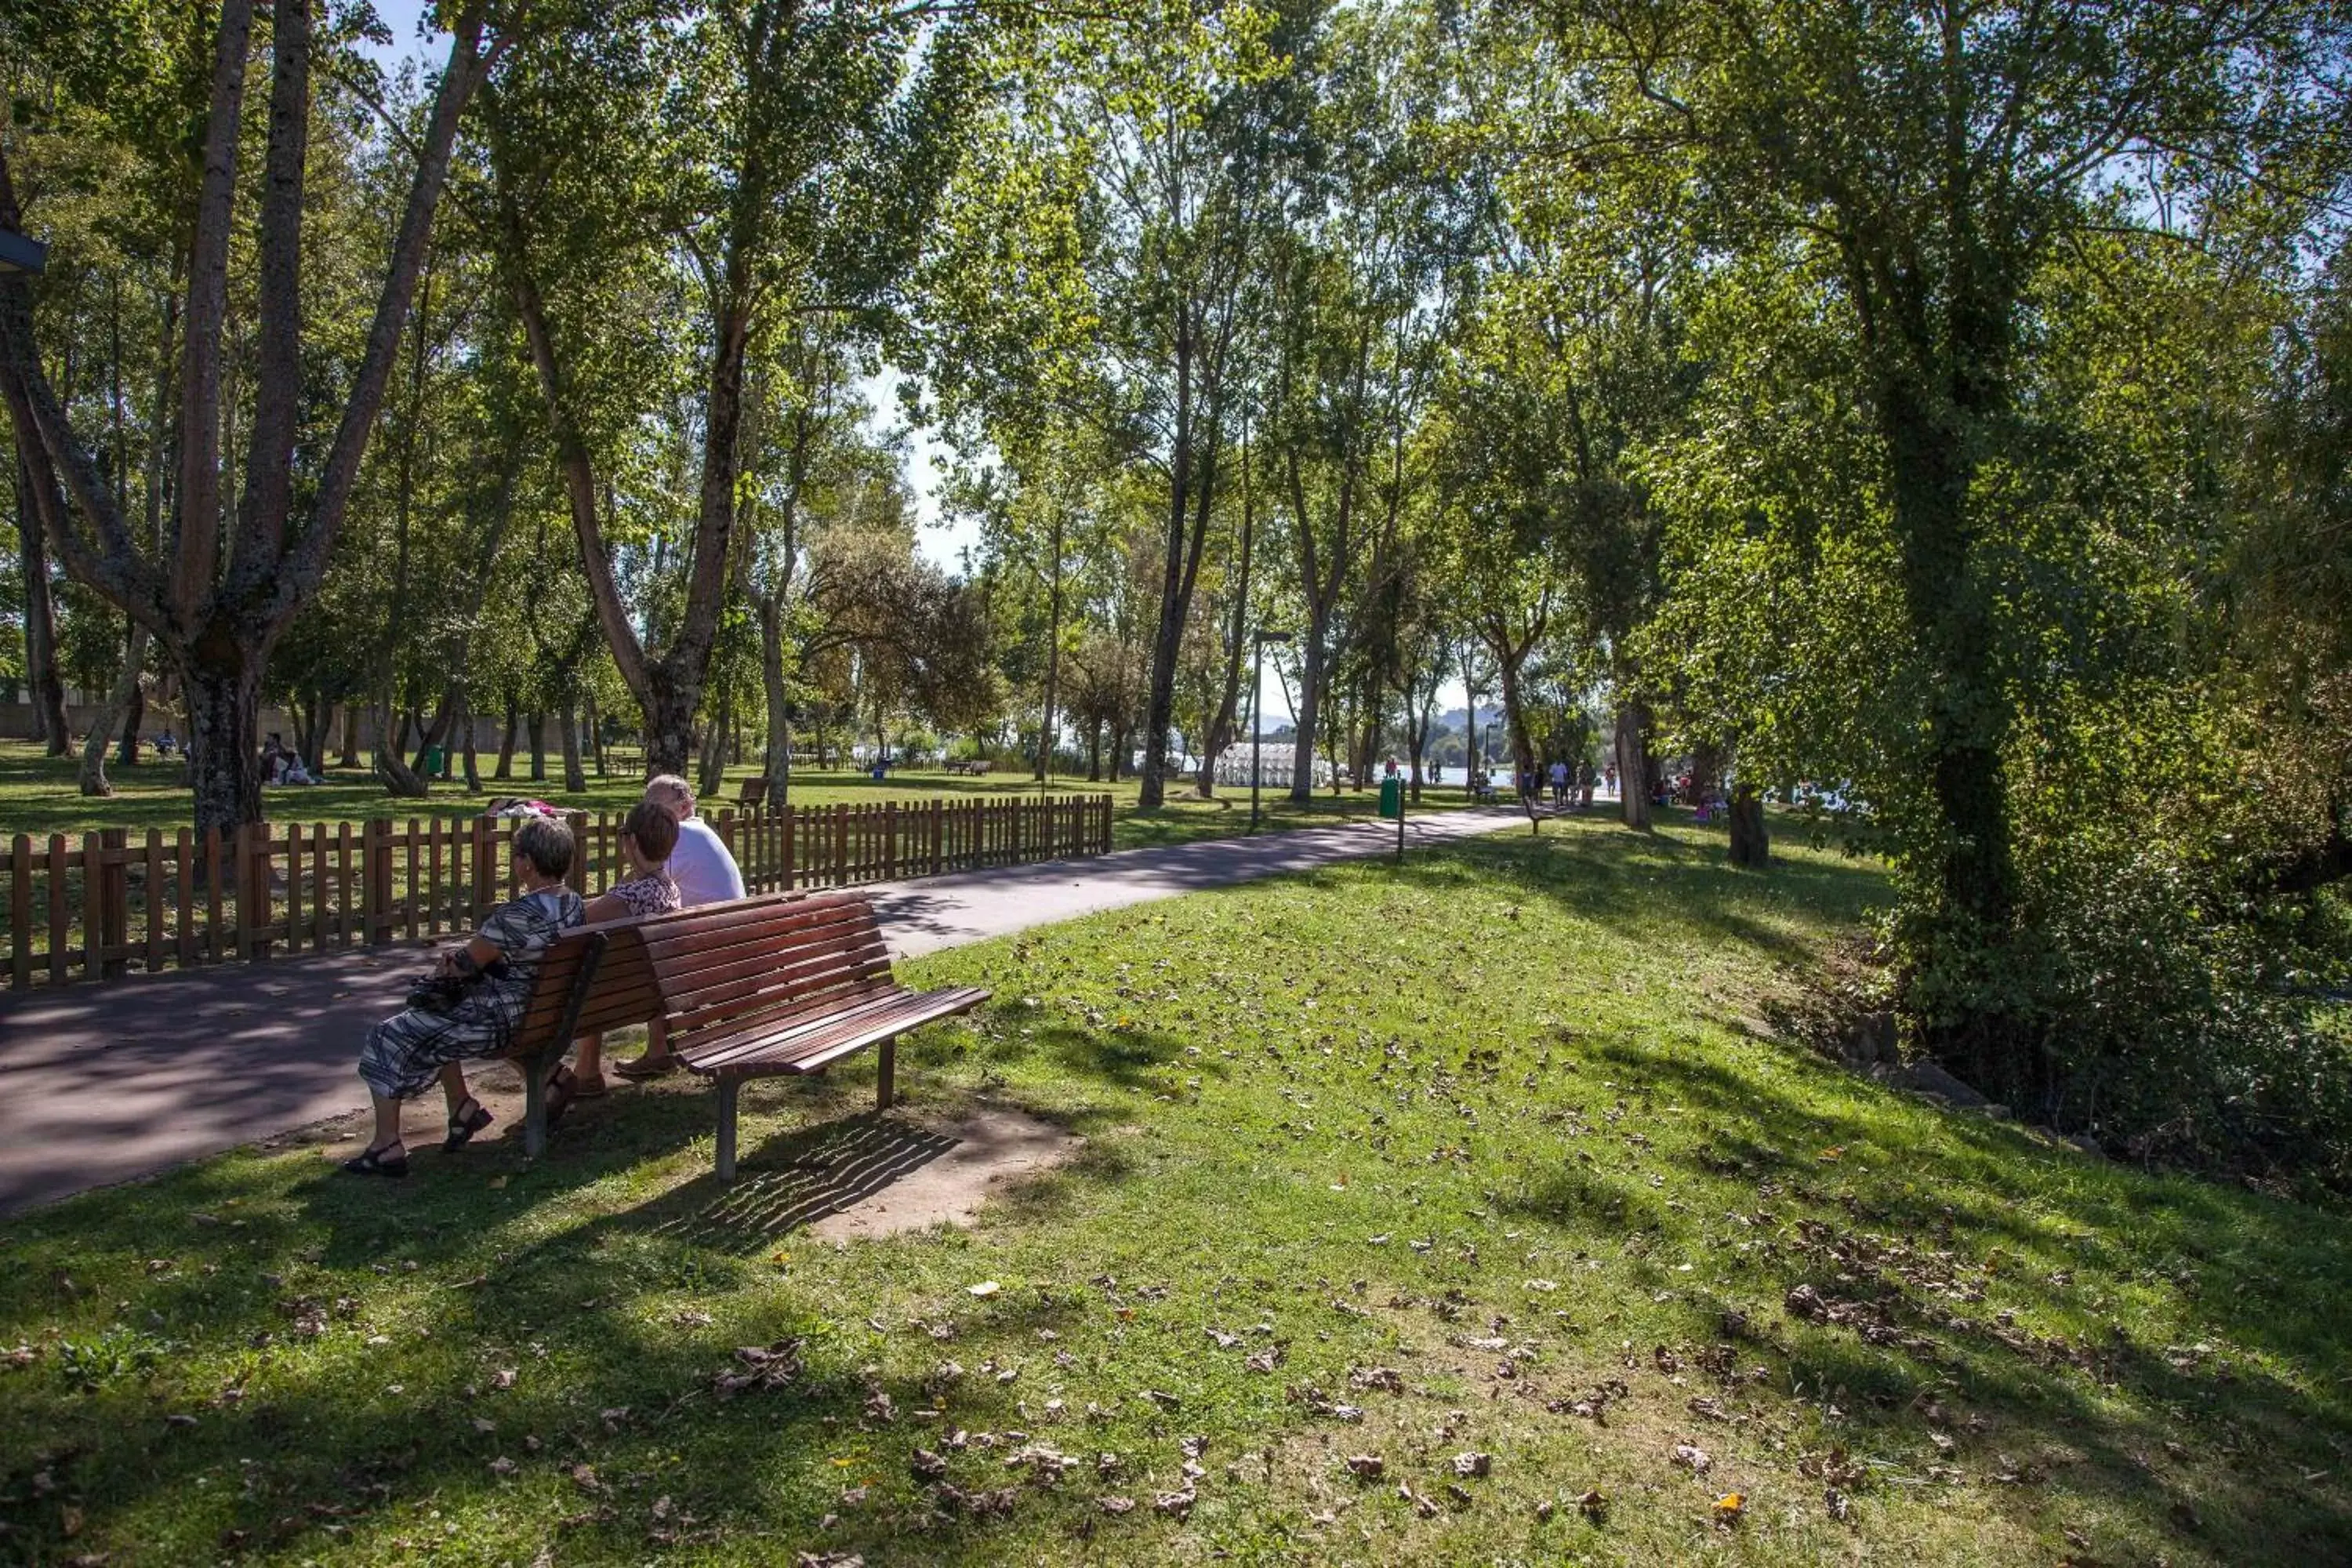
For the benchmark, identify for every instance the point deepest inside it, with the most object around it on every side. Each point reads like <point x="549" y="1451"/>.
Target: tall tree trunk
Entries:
<point x="1706" y="767"/>
<point x="224" y="693"/>
<point x="1949" y="607"/>
<point x="399" y="778"/>
<point x="103" y="728"/>
<point x="49" y="692"/>
<point x="1633" y="765"/>
<point x="1306" y="732"/>
<point x="465" y="733"/>
<point x="1750" y="844"/>
<point x="134" y="714"/>
<point x="539" y="746"/>
<point x="505" y="770"/>
<point x="436" y="734"/>
<point x="1190" y="494"/>
<point x="567" y="723"/>
<point x="1225" y="726"/>
<point x="592" y="723"/>
<point x="776" y="757"/>
<point x="712" y="765"/>
<point x="1053" y="656"/>
<point x="350" y="756"/>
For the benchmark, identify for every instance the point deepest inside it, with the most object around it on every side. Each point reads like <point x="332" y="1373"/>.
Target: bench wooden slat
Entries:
<point x="830" y="1035"/>
<point x="804" y="969"/>
<point x="715" y="927"/>
<point x="772" y="1034"/>
<point x="732" y="950"/>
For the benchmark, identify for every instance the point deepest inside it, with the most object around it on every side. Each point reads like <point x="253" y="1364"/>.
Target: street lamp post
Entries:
<point x="1259" y="639"/>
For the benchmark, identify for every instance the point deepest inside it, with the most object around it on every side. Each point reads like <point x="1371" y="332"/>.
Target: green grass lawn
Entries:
<point x="1483" y="1169"/>
<point x="39" y="795"/>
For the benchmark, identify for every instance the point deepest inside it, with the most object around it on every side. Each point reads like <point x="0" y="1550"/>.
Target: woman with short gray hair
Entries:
<point x="473" y="1005"/>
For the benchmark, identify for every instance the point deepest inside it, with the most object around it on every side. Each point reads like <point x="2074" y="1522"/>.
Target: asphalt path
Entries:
<point x="107" y="1083"/>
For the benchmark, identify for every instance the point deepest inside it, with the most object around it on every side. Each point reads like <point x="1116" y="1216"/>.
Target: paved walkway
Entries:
<point x="105" y="1083"/>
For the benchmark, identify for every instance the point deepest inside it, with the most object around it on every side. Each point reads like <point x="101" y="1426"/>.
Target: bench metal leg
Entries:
<point x="885" y="1074"/>
<point x="729" y="1087"/>
<point x="534" y="1110"/>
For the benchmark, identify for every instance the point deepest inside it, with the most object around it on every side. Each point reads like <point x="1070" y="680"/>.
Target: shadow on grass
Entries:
<point x="2051" y="1391"/>
<point x="806" y="1175"/>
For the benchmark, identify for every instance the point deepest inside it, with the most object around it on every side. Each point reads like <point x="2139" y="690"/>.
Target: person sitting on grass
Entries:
<point x="648" y="834"/>
<point x="705" y="873"/>
<point x="409" y="1052"/>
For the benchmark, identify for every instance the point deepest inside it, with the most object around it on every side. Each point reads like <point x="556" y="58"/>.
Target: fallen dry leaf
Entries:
<point x="1693" y="1458"/>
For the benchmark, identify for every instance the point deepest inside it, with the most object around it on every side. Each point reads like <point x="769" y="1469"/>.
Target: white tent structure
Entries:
<point x="1274" y="766"/>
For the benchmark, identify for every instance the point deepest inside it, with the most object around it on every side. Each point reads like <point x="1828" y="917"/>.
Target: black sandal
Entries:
<point x="559" y="1094"/>
<point x="463" y="1128"/>
<point x="372" y="1162"/>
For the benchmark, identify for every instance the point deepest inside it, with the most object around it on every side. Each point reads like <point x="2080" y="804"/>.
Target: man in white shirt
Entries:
<point x="705" y="873"/>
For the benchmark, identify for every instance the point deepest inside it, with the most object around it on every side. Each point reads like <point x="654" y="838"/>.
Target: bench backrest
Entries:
<point x="764" y="963"/>
<point x="623" y="990"/>
<point x="755" y="790"/>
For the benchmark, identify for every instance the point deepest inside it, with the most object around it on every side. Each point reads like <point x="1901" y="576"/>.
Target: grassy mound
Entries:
<point x="1457" y="1213"/>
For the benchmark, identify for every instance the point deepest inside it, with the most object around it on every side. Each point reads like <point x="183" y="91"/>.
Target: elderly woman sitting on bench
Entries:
<point x="471" y="1008"/>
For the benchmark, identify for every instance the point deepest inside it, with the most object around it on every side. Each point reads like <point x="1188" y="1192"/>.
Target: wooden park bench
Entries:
<point x="593" y="979"/>
<point x="765" y="987"/>
<point x="753" y="795"/>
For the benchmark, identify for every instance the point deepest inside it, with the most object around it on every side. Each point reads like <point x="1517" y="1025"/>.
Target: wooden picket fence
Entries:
<point x="99" y="906"/>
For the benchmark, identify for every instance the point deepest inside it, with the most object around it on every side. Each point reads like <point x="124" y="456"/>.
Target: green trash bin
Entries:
<point x="1392" y="797"/>
<point x="434" y="763"/>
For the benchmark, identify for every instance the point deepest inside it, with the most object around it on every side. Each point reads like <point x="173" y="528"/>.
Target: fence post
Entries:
<point x="102" y="888"/>
<point x="577" y="821"/>
<point x="485" y="870"/>
<point x="93" y="905"/>
<point x="785" y="817"/>
<point x="375" y="880"/>
<point x="20" y="911"/>
<point x="249" y="921"/>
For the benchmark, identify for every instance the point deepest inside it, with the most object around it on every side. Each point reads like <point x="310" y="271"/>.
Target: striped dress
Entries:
<point x="406" y="1053"/>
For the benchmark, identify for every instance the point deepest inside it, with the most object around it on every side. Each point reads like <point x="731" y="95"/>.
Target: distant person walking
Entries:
<point x="1558" y="784"/>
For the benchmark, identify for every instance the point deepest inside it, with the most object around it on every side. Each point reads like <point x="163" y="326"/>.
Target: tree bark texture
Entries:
<point x="49" y="692"/>
<point x="1632" y="766"/>
<point x="776" y="759"/>
<point x="505" y="770"/>
<point x="567" y="728"/>
<point x="108" y="723"/>
<point x="1751" y="845"/>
